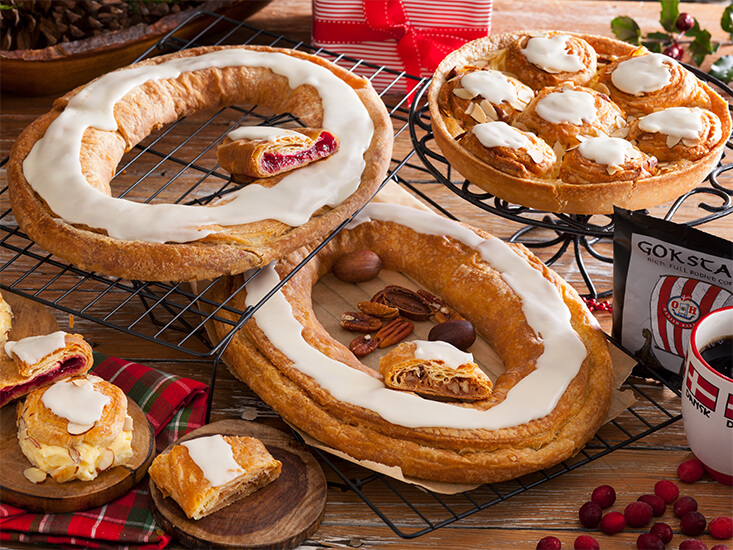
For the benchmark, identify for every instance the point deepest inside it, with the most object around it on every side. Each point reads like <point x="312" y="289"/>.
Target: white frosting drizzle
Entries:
<point x="676" y="123"/>
<point x="442" y="351"/>
<point x="269" y="133"/>
<point x="214" y="456"/>
<point x="644" y="73"/>
<point x="607" y="150"/>
<point x="533" y="397"/>
<point x="54" y="171"/>
<point x="496" y="88"/>
<point x="32" y="349"/>
<point x="550" y="54"/>
<point x="79" y="404"/>
<point x="571" y="106"/>
<point x="500" y="134"/>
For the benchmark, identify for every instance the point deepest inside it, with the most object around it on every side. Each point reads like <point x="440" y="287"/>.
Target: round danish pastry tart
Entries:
<point x="551" y="399"/>
<point x="513" y="114"/>
<point x="61" y="166"/>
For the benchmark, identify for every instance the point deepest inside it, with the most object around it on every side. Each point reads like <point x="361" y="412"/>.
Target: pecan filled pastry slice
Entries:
<point x="601" y="159"/>
<point x="436" y="370"/>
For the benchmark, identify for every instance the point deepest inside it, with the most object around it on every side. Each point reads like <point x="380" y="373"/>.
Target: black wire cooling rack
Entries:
<point x="178" y="313"/>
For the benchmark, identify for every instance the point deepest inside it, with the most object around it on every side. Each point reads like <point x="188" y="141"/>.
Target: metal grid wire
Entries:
<point x="179" y="313"/>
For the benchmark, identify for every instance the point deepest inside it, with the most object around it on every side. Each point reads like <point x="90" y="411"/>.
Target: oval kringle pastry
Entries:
<point x="61" y="166"/>
<point x="583" y="87"/>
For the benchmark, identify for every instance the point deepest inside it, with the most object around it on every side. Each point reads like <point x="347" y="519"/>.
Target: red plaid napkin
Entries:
<point x="174" y="406"/>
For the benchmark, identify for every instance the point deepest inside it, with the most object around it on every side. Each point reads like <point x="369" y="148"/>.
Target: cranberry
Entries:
<point x="638" y="514"/>
<point x="590" y="514"/>
<point x="684" y="22"/>
<point x="690" y="470"/>
<point x="721" y="528"/>
<point x="612" y="523"/>
<point x="549" y="543"/>
<point x="663" y="531"/>
<point x="648" y="541"/>
<point x="693" y="524"/>
<point x="692" y="544"/>
<point x="657" y="504"/>
<point x="684" y="505"/>
<point x="720" y="547"/>
<point x="586" y="542"/>
<point x="604" y="496"/>
<point x="666" y="490"/>
<point x="674" y="51"/>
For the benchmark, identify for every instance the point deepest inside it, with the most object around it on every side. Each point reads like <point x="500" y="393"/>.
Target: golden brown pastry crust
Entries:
<point x="177" y="476"/>
<point x="155" y="103"/>
<point x="577" y="169"/>
<point x="550" y="192"/>
<point x="451" y="270"/>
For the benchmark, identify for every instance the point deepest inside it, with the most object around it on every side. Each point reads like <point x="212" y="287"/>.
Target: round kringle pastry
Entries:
<point x="553" y="396"/>
<point x="614" y="112"/>
<point x="61" y="165"/>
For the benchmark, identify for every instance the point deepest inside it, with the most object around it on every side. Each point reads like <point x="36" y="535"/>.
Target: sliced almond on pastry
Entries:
<point x="78" y="429"/>
<point x="34" y="475"/>
<point x="106" y="459"/>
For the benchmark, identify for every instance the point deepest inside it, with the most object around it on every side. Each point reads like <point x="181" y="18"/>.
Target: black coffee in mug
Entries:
<point x="719" y="355"/>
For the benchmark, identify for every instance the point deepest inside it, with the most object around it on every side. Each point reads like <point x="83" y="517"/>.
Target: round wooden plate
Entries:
<point x="73" y="496"/>
<point x="282" y="514"/>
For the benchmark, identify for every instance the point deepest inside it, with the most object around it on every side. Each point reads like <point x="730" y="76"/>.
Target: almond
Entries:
<point x="80" y="382"/>
<point x="106" y="459"/>
<point x="78" y="429"/>
<point x="75" y="455"/>
<point x="34" y="475"/>
<point x="127" y="426"/>
<point x="33" y="441"/>
<point x="64" y="473"/>
<point x="357" y="267"/>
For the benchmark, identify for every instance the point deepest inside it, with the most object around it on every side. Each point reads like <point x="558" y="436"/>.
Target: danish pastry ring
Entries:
<point x="552" y="398"/>
<point x="61" y="165"/>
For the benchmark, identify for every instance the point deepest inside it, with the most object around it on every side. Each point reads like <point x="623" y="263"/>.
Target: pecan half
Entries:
<point x="357" y="321"/>
<point x="409" y="303"/>
<point x="382" y="311"/>
<point x="394" y="332"/>
<point x="363" y="345"/>
<point x="442" y="311"/>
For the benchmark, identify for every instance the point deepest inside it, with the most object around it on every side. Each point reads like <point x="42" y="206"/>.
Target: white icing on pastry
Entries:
<point x="568" y="106"/>
<point x="6" y="318"/>
<point x="270" y="133"/>
<point x="78" y="404"/>
<point x="54" y="171"/>
<point x="442" y="351"/>
<point x="644" y="73"/>
<point x="215" y="458"/>
<point x="500" y="134"/>
<point x="608" y="150"/>
<point x="549" y="54"/>
<point x="496" y="88"/>
<point x="535" y="396"/>
<point x="32" y="349"/>
<point x="676" y="123"/>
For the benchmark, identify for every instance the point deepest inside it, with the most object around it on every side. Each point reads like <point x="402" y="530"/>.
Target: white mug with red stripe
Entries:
<point x="707" y="398"/>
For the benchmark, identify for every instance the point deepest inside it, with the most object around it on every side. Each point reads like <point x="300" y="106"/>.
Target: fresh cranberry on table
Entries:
<point x="649" y="541"/>
<point x="693" y="524"/>
<point x="590" y="514"/>
<point x="638" y="514"/>
<point x="612" y="523"/>
<point x="657" y="503"/>
<point x="683" y="505"/>
<point x="549" y="543"/>
<point x="663" y="531"/>
<point x="690" y="470"/>
<point x="666" y="490"/>
<point x="585" y="542"/>
<point x="604" y="496"/>
<point x="721" y="528"/>
<point x="693" y="544"/>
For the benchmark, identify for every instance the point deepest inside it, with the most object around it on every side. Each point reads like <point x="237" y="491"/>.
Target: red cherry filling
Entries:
<point x="69" y="366"/>
<point x="276" y="162"/>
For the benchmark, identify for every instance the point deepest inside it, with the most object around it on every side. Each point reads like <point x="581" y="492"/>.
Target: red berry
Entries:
<point x="648" y="541"/>
<point x="590" y="514"/>
<point x="693" y="524"/>
<point x="690" y="470"/>
<point x="666" y="490"/>
<point x="674" y="51"/>
<point x="684" y="22"/>
<point x="720" y="547"/>
<point x="683" y="505"/>
<point x="638" y="514"/>
<point x="657" y="504"/>
<point x="692" y="544"/>
<point x="586" y="542"/>
<point x="663" y="531"/>
<point x="604" y="496"/>
<point x="612" y="523"/>
<point x="721" y="528"/>
<point x="549" y="543"/>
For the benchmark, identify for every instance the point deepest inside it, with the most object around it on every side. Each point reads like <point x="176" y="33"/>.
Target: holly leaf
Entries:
<point x="726" y="22"/>
<point x="657" y="41"/>
<point x="702" y="45"/>
<point x="626" y="29"/>
<point x="668" y="15"/>
<point x="722" y="69"/>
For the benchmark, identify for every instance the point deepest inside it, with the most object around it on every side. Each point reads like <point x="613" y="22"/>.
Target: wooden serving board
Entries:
<point x="281" y="515"/>
<point x="73" y="496"/>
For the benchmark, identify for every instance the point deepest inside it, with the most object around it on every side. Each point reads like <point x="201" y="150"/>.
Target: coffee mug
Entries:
<point x="707" y="396"/>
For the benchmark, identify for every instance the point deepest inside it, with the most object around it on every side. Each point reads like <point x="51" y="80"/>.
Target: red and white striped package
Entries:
<point x="404" y="35"/>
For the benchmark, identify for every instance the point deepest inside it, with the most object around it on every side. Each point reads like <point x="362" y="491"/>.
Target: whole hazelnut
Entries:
<point x="357" y="267"/>
<point x="458" y="332"/>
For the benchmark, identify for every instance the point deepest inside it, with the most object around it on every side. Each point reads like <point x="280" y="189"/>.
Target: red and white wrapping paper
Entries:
<point x="404" y="35"/>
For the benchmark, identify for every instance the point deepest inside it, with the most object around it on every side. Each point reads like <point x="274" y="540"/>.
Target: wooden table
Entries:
<point x="519" y="522"/>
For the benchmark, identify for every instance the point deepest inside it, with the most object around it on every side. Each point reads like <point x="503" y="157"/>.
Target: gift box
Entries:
<point x="404" y="35"/>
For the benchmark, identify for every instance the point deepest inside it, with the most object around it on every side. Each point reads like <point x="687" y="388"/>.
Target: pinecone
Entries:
<point x="37" y="24"/>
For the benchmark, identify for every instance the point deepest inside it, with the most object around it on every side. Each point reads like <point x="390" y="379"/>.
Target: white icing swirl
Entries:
<point x="268" y="133"/>
<point x="78" y="404"/>
<point x="500" y="134"/>
<point x="32" y="349"/>
<point x="642" y="74"/>
<point x="571" y="106"/>
<point x="496" y="88"/>
<point x="214" y="456"/>
<point x="442" y="351"/>
<point x="608" y="150"/>
<point x="676" y="123"/>
<point x="550" y="54"/>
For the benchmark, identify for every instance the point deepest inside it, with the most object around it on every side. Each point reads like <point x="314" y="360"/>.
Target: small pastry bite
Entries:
<point x="563" y="113"/>
<point x="259" y="151"/>
<point x="600" y="159"/>
<point x="206" y="474"/>
<point x="435" y="369"/>
<point x="642" y="84"/>
<point x="677" y="133"/>
<point x="35" y="361"/>
<point x="551" y="59"/>
<point x="76" y="428"/>
<point x="509" y="149"/>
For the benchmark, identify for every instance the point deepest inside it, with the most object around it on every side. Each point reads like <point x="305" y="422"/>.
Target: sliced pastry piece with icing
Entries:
<point x="435" y="369"/>
<point x="207" y="473"/>
<point x="604" y="158"/>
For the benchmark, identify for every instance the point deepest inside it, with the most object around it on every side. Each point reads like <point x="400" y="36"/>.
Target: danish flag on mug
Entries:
<point x="705" y="392"/>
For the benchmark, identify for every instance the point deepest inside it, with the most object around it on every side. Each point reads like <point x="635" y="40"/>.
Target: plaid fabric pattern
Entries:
<point x="174" y="406"/>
